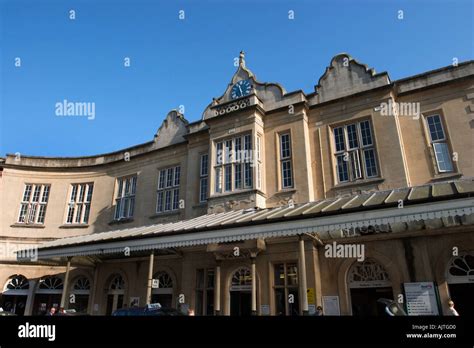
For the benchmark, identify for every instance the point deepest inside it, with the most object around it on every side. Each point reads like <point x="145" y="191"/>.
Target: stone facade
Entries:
<point x="347" y="93"/>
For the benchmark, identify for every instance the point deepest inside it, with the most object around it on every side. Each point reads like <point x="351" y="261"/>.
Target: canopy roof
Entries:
<point x="326" y="218"/>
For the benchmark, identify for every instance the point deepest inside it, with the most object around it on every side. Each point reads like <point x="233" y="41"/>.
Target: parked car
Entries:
<point x="153" y="309"/>
<point x="392" y="308"/>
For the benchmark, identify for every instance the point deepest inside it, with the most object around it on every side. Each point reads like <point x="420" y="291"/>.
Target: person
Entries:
<point x="52" y="311"/>
<point x="452" y="310"/>
<point x="319" y="311"/>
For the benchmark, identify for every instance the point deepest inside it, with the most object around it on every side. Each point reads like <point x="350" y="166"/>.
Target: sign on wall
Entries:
<point x="265" y="309"/>
<point x="134" y="301"/>
<point x="421" y="298"/>
<point x="331" y="305"/>
<point x="311" y="297"/>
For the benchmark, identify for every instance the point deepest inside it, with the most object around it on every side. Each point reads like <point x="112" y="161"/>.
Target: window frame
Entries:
<point x="285" y="286"/>
<point x="233" y="168"/>
<point x="443" y="141"/>
<point x="33" y="210"/>
<point x="201" y="292"/>
<point x="283" y="159"/>
<point x="203" y="177"/>
<point x="167" y="196"/>
<point x="351" y="163"/>
<point x="84" y="203"/>
<point x="123" y="199"/>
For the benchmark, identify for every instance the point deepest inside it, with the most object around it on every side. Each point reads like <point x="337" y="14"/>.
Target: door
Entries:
<point x="43" y="303"/>
<point x="114" y="302"/>
<point x="165" y="300"/>
<point x="14" y="303"/>
<point x="241" y="303"/>
<point x="364" y="301"/>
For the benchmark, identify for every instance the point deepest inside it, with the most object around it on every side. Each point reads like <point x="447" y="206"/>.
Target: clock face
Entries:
<point x="241" y="89"/>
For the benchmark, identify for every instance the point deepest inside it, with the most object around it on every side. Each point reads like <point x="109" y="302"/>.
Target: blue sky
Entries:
<point x="187" y="62"/>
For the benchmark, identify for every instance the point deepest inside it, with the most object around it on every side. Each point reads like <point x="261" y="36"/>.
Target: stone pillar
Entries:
<point x="217" y="291"/>
<point x="150" y="278"/>
<point x="30" y="298"/>
<point x="94" y="289"/>
<point x="254" y="287"/>
<point x="66" y="283"/>
<point x="302" y="277"/>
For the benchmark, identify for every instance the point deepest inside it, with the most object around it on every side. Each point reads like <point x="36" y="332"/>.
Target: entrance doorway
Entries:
<point x="15" y="294"/>
<point x="241" y="293"/>
<point x="460" y="278"/>
<point x="115" y="294"/>
<point x="369" y="282"/>
<point x="162" y="289"/>
<point x="364" y="301"/>
<point x="81" y="290"/>
<point x="240" y="303"/>
<point x="48" y="295"/>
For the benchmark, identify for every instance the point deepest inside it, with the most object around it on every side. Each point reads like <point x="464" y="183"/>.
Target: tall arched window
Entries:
<point x="368" y="282"/>
<point x="15" y="294"/>
<point x="117" y="283"/>
<point x="460" y="279"/>
<point x="368" y="273"/>
<point x="162" y="289"/>
<point x="48" y="294"/>
<point x="163" y="280"/>
<point x="50" y="283"/>
<point x="241" y="279"/>
<point x="115" y="294"/>
<point x="79" y="296"/>
<point x="16" y="282"/>
<point x="461" y="269"/>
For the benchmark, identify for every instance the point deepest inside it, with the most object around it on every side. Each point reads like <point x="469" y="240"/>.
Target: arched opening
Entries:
<point x="241" y="292"/>
<point x="79" y="294"/>
<point x="48" y="294"/>
<point x="368" y="281"/>
<point x="162" y="289"/>
<point x="115" y="294"/>
<point x="15" y="294"/>
<point x="460" y="279"/>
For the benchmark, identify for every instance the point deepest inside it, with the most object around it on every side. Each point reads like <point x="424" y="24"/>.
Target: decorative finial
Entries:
<point x="242" y="59"/>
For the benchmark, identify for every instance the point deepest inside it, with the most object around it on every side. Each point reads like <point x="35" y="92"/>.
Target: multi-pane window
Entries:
<point x="33" y="204"/>
<point x="355" y="152"/>
<point x="258" y="158"/>
<point x="205" y="291"/>
<point x="125" y="201"/>
<point x="286" y="288"/>
<point x="79" y="203"/>
<point x="168" y="189"/>
<point x="438" y="140"/>
<point x="203" y="177"/>
<point x="233" y="168"/>
<point x="285" y="161"/>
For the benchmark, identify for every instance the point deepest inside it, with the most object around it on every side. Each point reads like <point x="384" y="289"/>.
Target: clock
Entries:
<point x="241" y="89"/>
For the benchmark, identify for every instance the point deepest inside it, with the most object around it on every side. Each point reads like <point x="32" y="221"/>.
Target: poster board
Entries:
<point x="421" y="299"/>
<point x="331" y="305"/>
